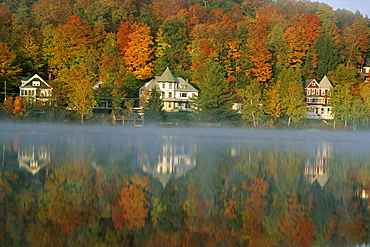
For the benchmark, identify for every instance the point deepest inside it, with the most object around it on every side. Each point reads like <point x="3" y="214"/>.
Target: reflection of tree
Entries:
<point x="69" y="196"/>
<point x="296" y="225"/>
<point x="131" y="208"/>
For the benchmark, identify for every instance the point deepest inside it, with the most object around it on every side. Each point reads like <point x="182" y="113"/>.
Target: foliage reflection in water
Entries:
<point x="182" y="187"/>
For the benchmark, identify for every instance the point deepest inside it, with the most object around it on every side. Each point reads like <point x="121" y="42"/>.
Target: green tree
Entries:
<point x="213" y="101"/>
<point x="81" y="96"/>
<point x="153" y="107"/>
<point x="328" y="56"/>
<point x="171" y="46"/>
<point x="273" y="101"/>
<point x="342" y="97"/>
<point x="252" y="107"/>
<point x="293" y="98"/>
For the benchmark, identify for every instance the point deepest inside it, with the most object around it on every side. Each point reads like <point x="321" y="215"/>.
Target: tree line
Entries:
<point x="258" y="51"/>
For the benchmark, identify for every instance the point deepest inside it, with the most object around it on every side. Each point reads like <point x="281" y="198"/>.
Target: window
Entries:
<point x="308" y="91"/>
<point x="170" y="95"/>
<point x="163" y="85"/>
<point x="317" y="91"/>
<point x="183" y="95"/>
<point x="170" y="86"/>
<point x="36" y="83"/>
<point x="322" y="91"/>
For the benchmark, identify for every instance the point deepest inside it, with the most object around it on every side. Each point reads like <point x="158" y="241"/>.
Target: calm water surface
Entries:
<point x="121" y="186"/>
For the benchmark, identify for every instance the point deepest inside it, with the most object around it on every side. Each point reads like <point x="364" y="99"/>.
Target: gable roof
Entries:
<point x="26" y="80"/>
<point x="312" y="83"/>
<point x="167" y="76"/>
<point x="325" y="83"/>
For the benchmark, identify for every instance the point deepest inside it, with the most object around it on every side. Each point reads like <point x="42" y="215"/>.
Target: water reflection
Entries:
<point x="33" y="157"/>
<point x="176" y="187"/>
<point x="175" y="157"/>
<point x="316" y="167"/>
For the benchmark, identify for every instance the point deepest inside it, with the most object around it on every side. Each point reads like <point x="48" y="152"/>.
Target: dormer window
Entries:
<point x="36" y="83"/>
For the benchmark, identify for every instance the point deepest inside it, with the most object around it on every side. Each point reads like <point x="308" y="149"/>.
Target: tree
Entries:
<point x="153" y="107"/>
<point x="7" y="67"/>
<point x="293" y="98"/>
<point x="301" y="37"/>
<point x="260" y="53"/>
<point x="273" y="101"/>
<point x="171" y="46"/>
<point x="328" y="56"/>
<point x="80" y="97"/>
<point x="342" y="98"/>
<point x="135" y="43"/>
<point x="252" y="107"/>
<point x="213" y="101"/>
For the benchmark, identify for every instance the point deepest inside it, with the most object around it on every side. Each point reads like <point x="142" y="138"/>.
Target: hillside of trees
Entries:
<point x="261" y="46"/>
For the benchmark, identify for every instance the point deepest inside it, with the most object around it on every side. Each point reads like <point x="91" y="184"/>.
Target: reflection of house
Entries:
<point x="33" y="158"/>
<point x="317" y="99"/>
<point x="35" y="89"/>
<point x="176" y="93"/>
<point x="175" y="159"/>
<point x="316" y="166"/>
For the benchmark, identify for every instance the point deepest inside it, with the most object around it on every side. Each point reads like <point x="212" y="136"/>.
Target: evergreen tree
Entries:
<point x="328" y="56"/>
<point x="213" y="101"/>
<point x="153" y="108"/>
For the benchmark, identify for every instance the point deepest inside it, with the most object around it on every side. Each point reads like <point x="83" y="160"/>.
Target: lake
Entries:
<point x="64" y="185"/>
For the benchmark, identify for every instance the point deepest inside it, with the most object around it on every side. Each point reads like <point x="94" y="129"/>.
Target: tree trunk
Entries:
<point x="289" y="121"/>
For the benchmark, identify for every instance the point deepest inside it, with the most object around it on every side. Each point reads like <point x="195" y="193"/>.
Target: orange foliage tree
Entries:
<point x="301" y="38"/>
<point x="130" y="209"/>
<point x="135" y="43"/>
<point x="166" y="9"/>
<point x="259" y="53"/>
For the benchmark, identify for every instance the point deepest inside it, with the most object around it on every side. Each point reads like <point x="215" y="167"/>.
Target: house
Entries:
<point x="35" y="89"/>
<point x="176" y="93"/>
<point x="318" y="99"/>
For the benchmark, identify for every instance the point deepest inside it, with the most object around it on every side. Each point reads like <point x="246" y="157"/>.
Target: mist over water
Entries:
<point x="73" y="176"/>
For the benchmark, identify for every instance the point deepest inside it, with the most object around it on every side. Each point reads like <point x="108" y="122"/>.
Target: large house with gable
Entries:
<point x="318" y="98"/>
<point x="35" y="89"/>
<point x="176" y="93"/>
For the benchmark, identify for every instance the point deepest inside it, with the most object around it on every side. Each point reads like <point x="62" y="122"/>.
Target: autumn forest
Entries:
<point x="256" y="50"/>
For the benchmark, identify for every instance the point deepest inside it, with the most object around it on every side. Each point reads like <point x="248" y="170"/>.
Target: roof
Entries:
<point x="167" y="76"/>
<point x="325" y="83"/>
<point x="26" y="80"/>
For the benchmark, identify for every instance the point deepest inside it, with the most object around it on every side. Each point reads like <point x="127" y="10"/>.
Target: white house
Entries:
<point x="35" y="89"/>
<point x="176" y="93"/>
